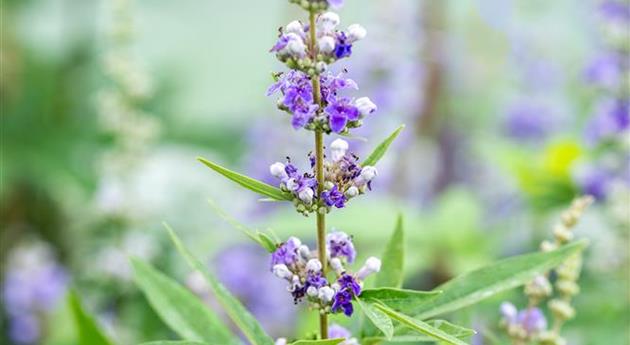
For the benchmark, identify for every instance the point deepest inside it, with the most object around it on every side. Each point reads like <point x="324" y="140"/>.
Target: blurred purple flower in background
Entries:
<point x="526" y="120"/>
<point x="605" y="70"/>
<point x="34" y="283"/>
<point x="244" y="270"/>
<point x="611" y="118"/>
<point x="337" y="331"/>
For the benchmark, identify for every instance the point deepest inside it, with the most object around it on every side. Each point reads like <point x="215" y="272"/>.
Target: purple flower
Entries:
<point x="532" y="320"/>
<point x="24" y="329"/>
<point x="347" y="282"/>
<point x="339" y="244"/>
<point x="611" y="117"/>
<point x="343" y="47"/>
<point x="343" y="302"/>
<point x="605" y="70"/>
<point x="615" y="10"/>
<point x="343" y="298"/>
<point x="341" y="111"/>
<point x="287" y="253"/>
<point x="315" y="280"/>
<point x="336" y="331"/>
<point x="595" y="182"/>
<point x="334" y="197"/>
<point x="335" y="3"/>
<point x="242" y="269"/>
<point x="527" y="121"/>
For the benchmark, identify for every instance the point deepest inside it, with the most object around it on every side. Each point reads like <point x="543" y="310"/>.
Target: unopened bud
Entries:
<point x="356" y="32"/>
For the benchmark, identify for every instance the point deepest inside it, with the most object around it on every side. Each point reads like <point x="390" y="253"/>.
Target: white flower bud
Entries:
<point x="368" y="173"/>
<point x="281" y="341"/>
<point x="295" y="241"/>
<point x="338" y="149"/>
<point x="295" y="46"/>
<point x="327" y="22"/>
<point x="304" y="252"/>
<point x="321" y="67"/>
<point x="282" y="271"/>
<point x="336" y="265"/>
<point x="326" y="44"/>
<point x="356" y="32"/>
<point x="365" y="106"/>
<point x="509" y="311"/>
<point x="372" y="265"/>
<point x="326" y="294"/>
<point x="314" y="265"/>
<point x="352" y="192"/>
<point x="312" y="291"/>
<point x="294" y="27"/>
<point x="277" y="170"/>
<point x="306" y="195"/>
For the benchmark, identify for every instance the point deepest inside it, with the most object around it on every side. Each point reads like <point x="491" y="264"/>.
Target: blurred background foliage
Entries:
<point x="106" y="104"/>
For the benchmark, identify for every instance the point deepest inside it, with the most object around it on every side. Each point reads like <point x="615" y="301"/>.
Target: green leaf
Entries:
<point x="380" y="150"/>
<point x="503" y="275"/>
<point x="406" y="301"/>
<point x="179" y="308"/>
<point x="250" y="327"/>
<point x="378" y="318"/>
<point x="420" y="326"/>
<point x="89" y="331"/>
<point x="319" y="342"/>
<point x="174" y="342"/>
<point x="248" y="182"/>
<point x="259" y="237"/>
<point x="407" y="337"/>
<point x="391" y="274"/>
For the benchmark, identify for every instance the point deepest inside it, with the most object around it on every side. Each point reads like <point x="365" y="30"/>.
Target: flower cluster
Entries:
<point x="293" y="47"/>
<point x="327" y="111"/>
<point x="299" y="266"/>
<point x="318" y="5"/>
<point x="337" y="114"/>
<point x="530" y="324"/>
<point x="344" y="178"/>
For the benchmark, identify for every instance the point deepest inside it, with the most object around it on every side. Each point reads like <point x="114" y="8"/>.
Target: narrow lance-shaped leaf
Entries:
<point x="391" y="274"/>
<point x="319" y="342"/>
<point x="420" y="326"/>
<point x="89" y="332"/>
<point x="182" y="311"/>
<point x="250" y="327"/>
<point x="259" y="237"/>
<point x="380" y="150"/>
<point x="248" y="182"/>
<point x="403" y="300"/>
<point x="378" y="318"/>
<point x="503" y="275"/>
<point x="411" y="336"/>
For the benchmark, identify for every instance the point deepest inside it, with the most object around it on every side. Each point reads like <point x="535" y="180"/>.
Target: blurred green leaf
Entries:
<point x="233" y="307"/>
<point x="179" y="308"/>
<point x="378" y="318"/>
<point x="445" y="326"/>
<point x="406" y="301"/>
<point x="420" y="326"/>
<point x="392" y="269"/>
<point x="380" y="150"/>
<point x="248" y="182"/>
<point x="89" y="331"/>
<point x="506" y="274"/>
<point x="259" y="237"/>
<point x="319" y="342"/>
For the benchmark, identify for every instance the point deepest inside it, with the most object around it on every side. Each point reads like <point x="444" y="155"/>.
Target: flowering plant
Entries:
<point x="321" y="277"/>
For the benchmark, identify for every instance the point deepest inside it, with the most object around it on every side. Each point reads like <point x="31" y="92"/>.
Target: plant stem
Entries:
<point x="319" y="174"/>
